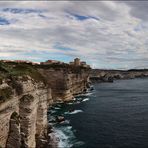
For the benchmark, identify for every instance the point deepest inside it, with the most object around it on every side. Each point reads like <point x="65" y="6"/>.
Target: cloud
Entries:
<point x="108" y="34"/>
<point x="138" y="9"/>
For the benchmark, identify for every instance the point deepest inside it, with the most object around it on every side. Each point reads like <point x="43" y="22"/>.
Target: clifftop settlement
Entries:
<point x="76" y="62"/>
<point x="26" y="92"/>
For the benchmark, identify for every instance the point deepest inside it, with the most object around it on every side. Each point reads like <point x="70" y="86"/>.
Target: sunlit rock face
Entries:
<point x="24" y="103"/>
<point x="64" y="83"/>
<point x="30" y="108"/>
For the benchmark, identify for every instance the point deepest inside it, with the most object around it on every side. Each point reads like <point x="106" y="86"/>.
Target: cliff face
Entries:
<point x="24" y="101"/>
<point x="107" y="75"/>
<point x="23" y="117"/>
<point x="64" y="83"/>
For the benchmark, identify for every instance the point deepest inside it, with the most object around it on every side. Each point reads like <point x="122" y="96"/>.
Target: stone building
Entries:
<point x="77" y="62"/>
<point x="48" y="62"/>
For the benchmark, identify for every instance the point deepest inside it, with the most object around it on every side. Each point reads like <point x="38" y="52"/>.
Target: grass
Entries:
<point x="12" y="69"/>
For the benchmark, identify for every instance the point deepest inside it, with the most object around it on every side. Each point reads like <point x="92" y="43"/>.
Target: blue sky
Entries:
<point x="106" y="34"/>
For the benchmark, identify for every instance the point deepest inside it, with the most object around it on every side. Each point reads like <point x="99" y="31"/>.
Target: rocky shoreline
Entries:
<point x="98" y="76"/>
<point x="26" y="92"/>
<point x="59" y="119"/>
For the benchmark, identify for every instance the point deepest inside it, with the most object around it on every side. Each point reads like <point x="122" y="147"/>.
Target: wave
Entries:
<point x="66" y="122"/>
<point x="66" y="137"/>
<point x="57" y="108"/>
<point x="70" y="103"/>
<point x="52" y="111"/>
<point x="89" y="94"/>
<point x="74" y="112"/>
<point x="87" y="99"/>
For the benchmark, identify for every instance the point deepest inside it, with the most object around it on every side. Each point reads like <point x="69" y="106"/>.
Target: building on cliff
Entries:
<point x="48" y="62"/>
<point x="19" y="61"/>
<point x="78" y="62"/>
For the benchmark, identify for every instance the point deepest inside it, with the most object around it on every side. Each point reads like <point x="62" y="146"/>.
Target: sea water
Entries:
<point x="113" y="115"/>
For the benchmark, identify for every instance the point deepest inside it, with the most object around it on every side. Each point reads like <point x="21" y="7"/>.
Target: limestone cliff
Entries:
<point x="23" y="117"/>
<point x="99" y="75"/>
<point x="26" y="91"/>
<point x="66" y="83"/>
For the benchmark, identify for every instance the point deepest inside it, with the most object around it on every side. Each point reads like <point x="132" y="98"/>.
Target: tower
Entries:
<point x="77" y="62"/>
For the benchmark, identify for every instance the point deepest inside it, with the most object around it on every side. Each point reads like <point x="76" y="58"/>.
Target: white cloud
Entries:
<point x="104" y="33"/>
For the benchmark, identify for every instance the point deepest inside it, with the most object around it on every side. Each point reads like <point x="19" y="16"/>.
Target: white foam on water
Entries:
<point x="79" y="143"/>
<point x="69" y="127"/>
<point x="74" y="99"/>
<point x="86" y="99"/>
<point x="74" y="112"/>
<point x="88" y="94"/>
<point x="66" y="137"/>
<point x="78" y="102"/>
<point x="58" y="105"/>
<point x="52" y="111"/>
<point x="56" y="108"/>
<point x="65" y="122"/>
<point x="70" y="103"/>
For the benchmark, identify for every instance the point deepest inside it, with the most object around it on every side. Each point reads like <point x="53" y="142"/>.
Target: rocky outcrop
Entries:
<point x="24" y="101"/>
<point x="23" y="118"/>
<point x="65" y="83"/>
<point x="97" y="75"/>
<point x="14" y="137"/>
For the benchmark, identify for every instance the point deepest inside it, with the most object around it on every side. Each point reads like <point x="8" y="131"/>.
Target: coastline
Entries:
<point x="28" y="90"/>
<point x="58" y="138"/>
<point x="26" y="93"/>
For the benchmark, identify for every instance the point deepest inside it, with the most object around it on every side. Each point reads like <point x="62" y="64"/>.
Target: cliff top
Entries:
<point x="11" y="69"/>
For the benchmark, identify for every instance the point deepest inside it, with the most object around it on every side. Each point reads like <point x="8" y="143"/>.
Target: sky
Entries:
<point x="106" y="34"/>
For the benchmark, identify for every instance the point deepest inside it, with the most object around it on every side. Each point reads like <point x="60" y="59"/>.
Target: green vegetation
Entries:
<point x="12" y="69"/>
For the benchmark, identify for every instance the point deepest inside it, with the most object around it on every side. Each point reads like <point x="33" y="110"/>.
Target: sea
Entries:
<point x="113" y="115"/>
